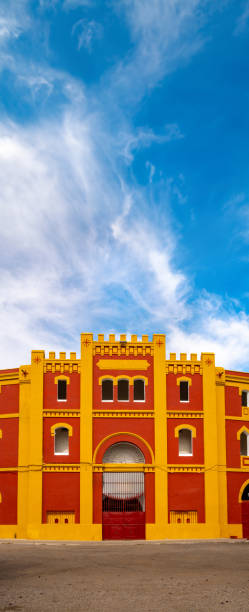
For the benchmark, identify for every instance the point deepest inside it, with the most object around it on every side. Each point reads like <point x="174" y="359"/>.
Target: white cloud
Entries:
<point x="14" y="19"/>
<point x="130" y="142"/>
<point x="242" y="21"/>
<point x="164" y="34"/>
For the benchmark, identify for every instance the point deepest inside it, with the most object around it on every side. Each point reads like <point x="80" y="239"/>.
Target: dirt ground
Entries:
<point x="120" y="576"/>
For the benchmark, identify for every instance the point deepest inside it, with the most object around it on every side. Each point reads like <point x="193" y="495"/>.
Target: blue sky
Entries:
<point x="124" y="172"/>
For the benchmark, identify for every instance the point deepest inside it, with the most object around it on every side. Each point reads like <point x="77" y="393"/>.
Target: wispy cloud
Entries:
<point x="242" y="21"/>
<point x="86" y="32"/>
<point x="141" y="138"/>
<point x="164" y="34"/>
<point x="14" y="19"/>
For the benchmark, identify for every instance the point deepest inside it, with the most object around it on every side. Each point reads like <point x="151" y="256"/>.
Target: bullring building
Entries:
<point x="122" y="443"/>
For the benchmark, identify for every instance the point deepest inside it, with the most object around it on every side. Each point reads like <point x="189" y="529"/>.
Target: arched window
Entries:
<point x="61" y="441"/>
<point x="245" y="494"/>
<point x="244" y="398"/>
<point x="138" y="390"/>
<point x="123" y="390"/>
<point x="185" y="442"/>
<point x="244" y="443"/>
<point x="107" y="390"/>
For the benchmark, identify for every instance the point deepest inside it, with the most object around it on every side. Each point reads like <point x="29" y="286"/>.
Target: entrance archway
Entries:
<point x="245" y="511"/>
<point x="123" y="501"/>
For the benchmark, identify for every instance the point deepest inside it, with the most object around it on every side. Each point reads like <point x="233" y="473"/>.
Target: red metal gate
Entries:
<point x="245" y="519"/>
<point x="123" y="506"/>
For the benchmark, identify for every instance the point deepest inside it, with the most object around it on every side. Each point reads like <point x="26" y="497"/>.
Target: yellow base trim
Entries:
<point x="10" y="415"/>
<point x="71" y="531"/>
<point x="183" y="531"/>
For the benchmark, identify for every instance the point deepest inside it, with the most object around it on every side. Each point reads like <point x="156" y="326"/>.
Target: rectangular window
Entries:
<point x="62" y="390"/>
<point x="138" y="391"/>
<point x="244" y="398"/>
<point x="123" y="390"/>
<point x="107" y="391"/>
<point x="184" y="391"/>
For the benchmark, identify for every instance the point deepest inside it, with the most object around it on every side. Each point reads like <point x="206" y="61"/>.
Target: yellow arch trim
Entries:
<point x="115" y="379"/>
<point x="123" y="433"/>
<point x="241" y="490"/>
<point x="184" y="379"/>
<point x="62" y="377"/>
<point x="1" y="433"/>
<point x="144" y="378"/>
<point x="183" y="426"/>
<point x="107" y="377"/>
<point x="0" y="498"/>
<point x="58" y="425"/>
<point x="243" y="429"/>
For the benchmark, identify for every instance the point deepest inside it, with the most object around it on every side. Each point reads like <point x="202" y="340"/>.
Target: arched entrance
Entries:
<point x="123" y="501"/>
<point x="245" y="511"/>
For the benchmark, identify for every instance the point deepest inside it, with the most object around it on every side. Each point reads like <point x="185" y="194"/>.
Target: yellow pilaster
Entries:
<point x="161" y="488"/>
<point x="222" y="479"/>
<point x="210" y="445"/>
<point x="34" y="500"/>
<point x="23" y="451"/>
<point x="86" y="391"/>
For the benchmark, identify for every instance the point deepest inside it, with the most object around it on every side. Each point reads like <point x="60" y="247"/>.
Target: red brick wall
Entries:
<point x="8" y="490"/>
<point x="48" y="441"/>
<point x="186" y="492"/>
<point x="61" y="493"/>
<point x="195" y="392"/>
<point x="50" y="392"/>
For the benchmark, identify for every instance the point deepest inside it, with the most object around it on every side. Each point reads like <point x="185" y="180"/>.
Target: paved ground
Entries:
<point x="107" y="576"/>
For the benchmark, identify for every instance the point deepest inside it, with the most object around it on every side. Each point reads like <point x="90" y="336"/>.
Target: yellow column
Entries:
<point x="161" y="480"/>
<point x="34" y="500"/>
<point x="86" y="392"/>
<point x="23" y="450"/>
<point x="221" y="424"/>
<point x="210" y="445"/>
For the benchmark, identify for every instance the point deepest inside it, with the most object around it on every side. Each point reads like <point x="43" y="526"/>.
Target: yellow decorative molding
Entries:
<point x="185" y="426"/>
<point x="123" y="364"/>
<point x="123" y="467"/>
<point x="61" y="413"/>
<point x="121" y="413"/>
<point x="244" y="462"/>
<point x="9" y="378"/>
<point x="176" y="414"/>
<point x="183" y="367"/>
<point x="0" y="498"/>
<point x="64" y="425"/>
<point x="123" y="433"/>
<point x="186" y="468"/>
<point x="62" y="377"/>
<point x="235" y="418"/>
<point x="1" y="433"/>
<point x="184" y="379"/>
<point x="246" y="469"/>
<point x="66" y="467"/>
<point x="10" y="415"/>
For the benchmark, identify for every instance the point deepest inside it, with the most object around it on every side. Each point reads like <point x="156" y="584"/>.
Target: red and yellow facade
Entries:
<point x="46" y="495"/>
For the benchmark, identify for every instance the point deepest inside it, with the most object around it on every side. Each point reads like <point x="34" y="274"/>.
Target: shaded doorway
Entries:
<point x="123" y="499"/>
